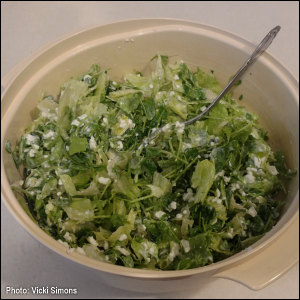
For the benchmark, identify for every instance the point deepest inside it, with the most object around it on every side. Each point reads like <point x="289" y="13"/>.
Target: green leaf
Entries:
<point x="257" y="225"/>
<point x="161" y="186"/>
<point x="186" y="264"/>
<point x="101" y="86"/>
<point x="191" y="153"/>
<point x="206" y="80"/>
<point x="203" y="178"/>
<point x="281" y="166"/>
<point x="164" y="58"/>
<point x="238" y="82"/>
<point x="118" y="220"/>
<point x="217" y="115"/>
<point x="152" y="152"/>
<point x="128" y="261"/>
<point x="219" y="157"/>
<point x="63" y="202"/>
<point x="178" y="107"/>
<point x="77" y="145"/>
<point x="68" y="184"/>
<point x="73" y="92"/>
<point x="130" y="102"/>
<point x="199" y="249"/>
<point x="126" y="186"/>
<point x="149" y="108"/>
<point x="83" y="234"/>
<point x="8" y="147"/>
<point x="80" y="210"/>
<point x="149" y="168"/>
<point x="250" y="241"/>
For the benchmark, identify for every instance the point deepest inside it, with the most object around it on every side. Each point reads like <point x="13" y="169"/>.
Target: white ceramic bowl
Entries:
<point x="268" y="88"/>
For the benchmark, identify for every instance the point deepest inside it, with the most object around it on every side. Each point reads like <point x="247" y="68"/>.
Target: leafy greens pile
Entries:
<point x="194" y="196"/>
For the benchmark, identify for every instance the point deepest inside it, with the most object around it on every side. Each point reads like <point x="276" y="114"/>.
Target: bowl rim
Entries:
<point x="119" y="270"/>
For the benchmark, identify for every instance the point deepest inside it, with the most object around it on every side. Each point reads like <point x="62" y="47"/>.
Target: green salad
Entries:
<point x="194" y="196"/>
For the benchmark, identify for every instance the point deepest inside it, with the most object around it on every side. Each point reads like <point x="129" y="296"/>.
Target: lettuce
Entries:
<point x="80" y="210"/>
<point x="202" y="179"/>
<point x="196" y="195"/>
<point x="73" y="92"/>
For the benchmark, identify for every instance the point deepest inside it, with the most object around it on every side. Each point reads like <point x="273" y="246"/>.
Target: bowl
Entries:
<point x="266" y="87"/>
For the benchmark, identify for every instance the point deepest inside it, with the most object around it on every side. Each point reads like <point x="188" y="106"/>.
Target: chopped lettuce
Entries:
<point x="196" y="195"/>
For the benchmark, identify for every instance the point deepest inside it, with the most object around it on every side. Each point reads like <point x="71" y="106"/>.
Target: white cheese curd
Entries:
<point x="226" y="179"/>
<point x="104" y="180"/>
<point x="141" y="228"/>
<point x="80" y="251"/>
<point x="123" y="237"/>
<point x="179" y="126"/>
<point x="186" y="246"/>
<point x="159" y="214"/>
<point x="30" y="139"/>
<point x="122" y="123"/>
<point x="252" y="170"/>
<point x="92" y="143"/>
<point x="174" y="252"/>
<point x="120" y="145"/>
<point x="151" y="86"/>
<point x="75" y="122"/>
<point x="123" y="250"/>
<point x="203" y="108"/>
<point x="67" y="237"/>
<point x="82" y="117"/>
<point x="252" y="211"/>
<point x="176" y="77"/>
<point x="178" y="216"/>
<point x="71" y="250"/>
<point x="92" y="241"/>
<point x="221" y="174"/>
<point x="173" y="205"/>
<point x="49" y="134"/>
<point x="272" y="170"/>
<point x="249" y="178"/>
<point x="166" y="127"/>
<point x="172" y="93"/>
<point x="186" y="146"/>
<point x="235" y="186"/>
<point x="188" y="195"/>
<point x="32" y="153"/>
<point x="131" y="124"/>
<point x="106" y="245"/>
<point x="257" y="162"/>
<point x="63" y="243"/>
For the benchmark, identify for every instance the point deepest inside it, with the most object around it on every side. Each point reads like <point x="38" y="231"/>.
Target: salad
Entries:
<point x="194" y="196"/>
